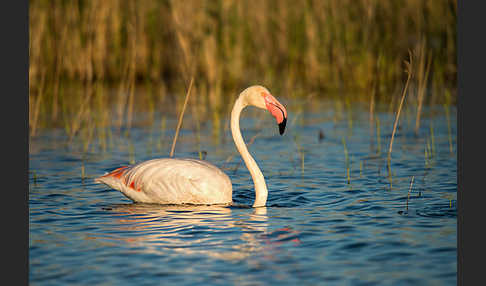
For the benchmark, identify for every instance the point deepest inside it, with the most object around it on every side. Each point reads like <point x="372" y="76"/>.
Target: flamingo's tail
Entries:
<point x="109" y="178"/>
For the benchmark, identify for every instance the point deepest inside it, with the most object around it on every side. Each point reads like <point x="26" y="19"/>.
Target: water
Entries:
<point x="317" y="228"/>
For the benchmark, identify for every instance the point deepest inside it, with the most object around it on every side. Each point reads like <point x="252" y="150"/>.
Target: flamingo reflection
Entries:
<point x="226" y="233"/>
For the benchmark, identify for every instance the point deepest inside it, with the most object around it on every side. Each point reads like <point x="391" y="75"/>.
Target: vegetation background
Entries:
<point x="86" y="56"/>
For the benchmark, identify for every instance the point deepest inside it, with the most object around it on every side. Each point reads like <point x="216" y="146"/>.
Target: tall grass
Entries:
<point x="181" y="116"/>
<point x="409" y="70"/>
<point x="323" y="44"/>
<point x="351" y="47"/>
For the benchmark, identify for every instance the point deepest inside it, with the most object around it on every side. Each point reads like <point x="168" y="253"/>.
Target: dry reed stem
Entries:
<point x="432" y="139"/>
<point x="180" y="118"/>
<point x="37" y="105"/>
<point x="88" y="133"/>
<point x="395" y="124"/>
<point x="132" y="70"/>
<point x="346" y="156"/>
<point x="422" y="84"/>
<point x="360" y="169"/>
<point x="131" y="153"/>
<point x="302" y="155"/>
<point x="372" y="109"/>
<point x="121" y="100"/>
<point x="446" y="108"/>
<point x="378" y="136"/>
<point x="198" y="130"/>
<point x="76" y="123"/>
<point x="83" y="175"/>
<point x="409" y="189"/>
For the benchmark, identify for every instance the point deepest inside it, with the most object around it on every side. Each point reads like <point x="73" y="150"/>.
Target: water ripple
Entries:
<point x="318" y="228"/>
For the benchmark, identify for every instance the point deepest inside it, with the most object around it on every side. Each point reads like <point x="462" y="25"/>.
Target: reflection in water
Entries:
<point x="190" y="230"/>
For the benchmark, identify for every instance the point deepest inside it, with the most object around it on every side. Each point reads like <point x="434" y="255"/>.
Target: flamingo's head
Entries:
<point x="262" y="98"/>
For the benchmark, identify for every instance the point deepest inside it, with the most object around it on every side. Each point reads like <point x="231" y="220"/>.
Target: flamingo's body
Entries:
<point x="172" y="181"/>
<point x="190" y="181"/>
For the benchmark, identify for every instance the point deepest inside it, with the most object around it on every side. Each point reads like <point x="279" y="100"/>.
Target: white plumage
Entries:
<point x="190" y="181"/>
<point x="172" y="181"/>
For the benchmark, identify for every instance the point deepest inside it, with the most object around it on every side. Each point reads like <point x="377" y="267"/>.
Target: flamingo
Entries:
<point x="190" y="181"/>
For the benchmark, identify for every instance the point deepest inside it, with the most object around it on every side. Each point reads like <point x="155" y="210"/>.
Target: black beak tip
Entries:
<point x="281" y="126"/>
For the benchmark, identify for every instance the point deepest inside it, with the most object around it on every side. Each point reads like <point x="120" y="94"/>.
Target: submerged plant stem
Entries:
<point x="82" y="172"/>
<point x="302" y="158"/>
<point x="409" y="189"/>
<point x="346" y="158"/>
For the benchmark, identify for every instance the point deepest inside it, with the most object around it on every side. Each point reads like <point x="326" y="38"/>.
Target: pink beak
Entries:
<point x="277" y="110"/>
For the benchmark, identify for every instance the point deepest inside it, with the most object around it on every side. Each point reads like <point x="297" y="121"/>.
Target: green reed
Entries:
<point x="409" y="190"/>
<point x="360" y="169"/>
<point x="348" y="47"/>
<point x="447" y="112"/>
<point x="432" y="139"/>
<point x="347" y="163"/>
<point x="378" y="136"/>
<point x="94" y="64"/>
<point x="83" y="174"/>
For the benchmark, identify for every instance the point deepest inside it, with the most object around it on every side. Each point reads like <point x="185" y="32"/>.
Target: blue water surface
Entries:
<point x="334" y="215"/>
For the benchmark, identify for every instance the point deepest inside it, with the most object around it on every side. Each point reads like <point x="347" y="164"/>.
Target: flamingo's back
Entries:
<point x="171" y="181"/>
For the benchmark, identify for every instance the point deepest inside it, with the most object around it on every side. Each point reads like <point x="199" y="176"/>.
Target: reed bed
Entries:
<point x="94" y="64"/>
<point x="329" y="48"/>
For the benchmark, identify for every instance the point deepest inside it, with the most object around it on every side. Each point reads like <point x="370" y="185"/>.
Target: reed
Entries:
<point x="447" y="112"/>
<point x="93" y="63"/>
<point x="409" y="190"/>
<point x="360" y="169"/>
<point x="81" y="112"/>
<point x="449" y="132"/>
<point x="87" y="136"/>
<point x="83" y="174"/>
<point x="378" y="136"/>
<point x="197" y="131"/>
<point x="347" y="164"/>
<point x="347" y="102"/>
<point x="422" y="78"/>
<point x="131" y="153"/>
<point x="34" y="108"/>
<point x="372" y="116"/>
<point x="336" y="46"/>
<point x="409" y="66"/>
<point x="302" y="164"/>
<point x="348" y="175"/>
<point x="179" y="123"/>
<point x="428" y="154"/>
<point x="432" y="139"/>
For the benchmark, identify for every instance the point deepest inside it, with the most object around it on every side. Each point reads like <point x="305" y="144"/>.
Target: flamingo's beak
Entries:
<point x="281" y="126"/>
<point x="277" y="110"/>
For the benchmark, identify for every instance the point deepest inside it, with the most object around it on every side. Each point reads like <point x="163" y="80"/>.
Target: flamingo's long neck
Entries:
<point x="261" y="191"/>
